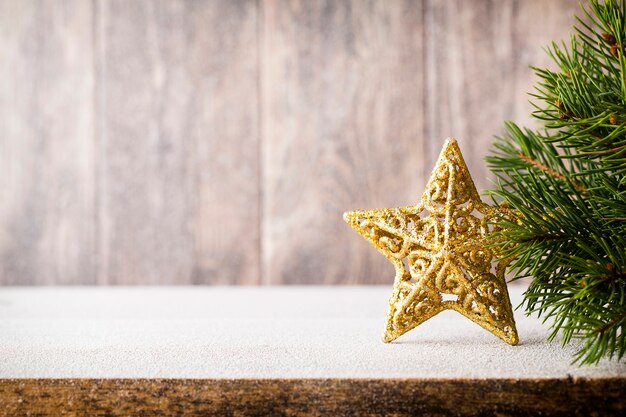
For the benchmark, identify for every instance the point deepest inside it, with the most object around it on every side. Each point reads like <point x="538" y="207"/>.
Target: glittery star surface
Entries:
<point x="440" y="250"/>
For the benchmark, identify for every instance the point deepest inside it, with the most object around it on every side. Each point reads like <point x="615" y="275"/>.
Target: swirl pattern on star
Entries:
<point x="442" y="253"/>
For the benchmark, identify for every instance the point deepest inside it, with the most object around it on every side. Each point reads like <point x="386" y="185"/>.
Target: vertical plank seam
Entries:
<point x="425" y="91"/>
<point x="260" y="41"/>
<point x="99" y="97"/>
<point x="427" y="101"/>
<point x="517" y="63"/>
<point x="96" y="120"/>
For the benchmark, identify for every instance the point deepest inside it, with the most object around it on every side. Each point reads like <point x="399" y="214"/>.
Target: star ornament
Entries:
<point x="441" y="253"/>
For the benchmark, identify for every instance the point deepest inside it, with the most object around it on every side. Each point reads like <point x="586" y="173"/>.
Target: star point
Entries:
<point x="441" y="253"/>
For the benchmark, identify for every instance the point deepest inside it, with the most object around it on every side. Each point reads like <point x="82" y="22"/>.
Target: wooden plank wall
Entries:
<point x="218" y="142"/>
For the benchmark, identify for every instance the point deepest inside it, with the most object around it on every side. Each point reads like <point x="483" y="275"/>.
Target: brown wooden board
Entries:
<point x="357" y="100"/>
<point x="342" y="129"/>
<point x="47" y="153"/>
<point x="178" y="142"/>
<point x="312" y="397"/>
<point x="477" y="58"/>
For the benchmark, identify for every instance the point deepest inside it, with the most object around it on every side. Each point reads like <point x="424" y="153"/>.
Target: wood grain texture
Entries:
<point x="357" y="103"/>
<point x="313" y="397"/>
<point x="478" y="57"/>
<point x="218" y="142"/>
<point x="342" y="128"/>
<point x="178" y="148"/>
<point x="47" y="193"/>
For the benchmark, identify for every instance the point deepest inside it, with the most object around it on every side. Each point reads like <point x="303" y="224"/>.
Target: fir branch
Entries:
<point x="550" y="171"/>
<point x="566" y="188"/>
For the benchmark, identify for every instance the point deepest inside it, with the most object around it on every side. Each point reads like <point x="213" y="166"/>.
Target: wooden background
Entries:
<point x="218" y="142"/>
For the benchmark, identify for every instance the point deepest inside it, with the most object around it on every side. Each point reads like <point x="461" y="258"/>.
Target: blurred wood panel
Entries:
<point x="478" y="55"/>
<point x="178" y="142"/>
<point x="47" y="232"/>
<point x="342" y="129"/>
<point x="219" y="142"/>
<point x="357" y="103"/>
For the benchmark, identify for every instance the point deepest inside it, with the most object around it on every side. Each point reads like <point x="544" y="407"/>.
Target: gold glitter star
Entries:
<point x="440" y="250"/>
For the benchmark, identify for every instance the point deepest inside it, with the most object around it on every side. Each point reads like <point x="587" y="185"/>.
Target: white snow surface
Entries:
<point x="258" y="332"/>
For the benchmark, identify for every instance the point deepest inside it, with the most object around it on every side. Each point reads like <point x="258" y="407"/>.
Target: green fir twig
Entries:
<point x="566" y="188"/>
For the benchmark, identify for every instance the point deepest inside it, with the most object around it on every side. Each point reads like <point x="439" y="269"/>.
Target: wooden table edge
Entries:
<point x="313" y="396"/>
